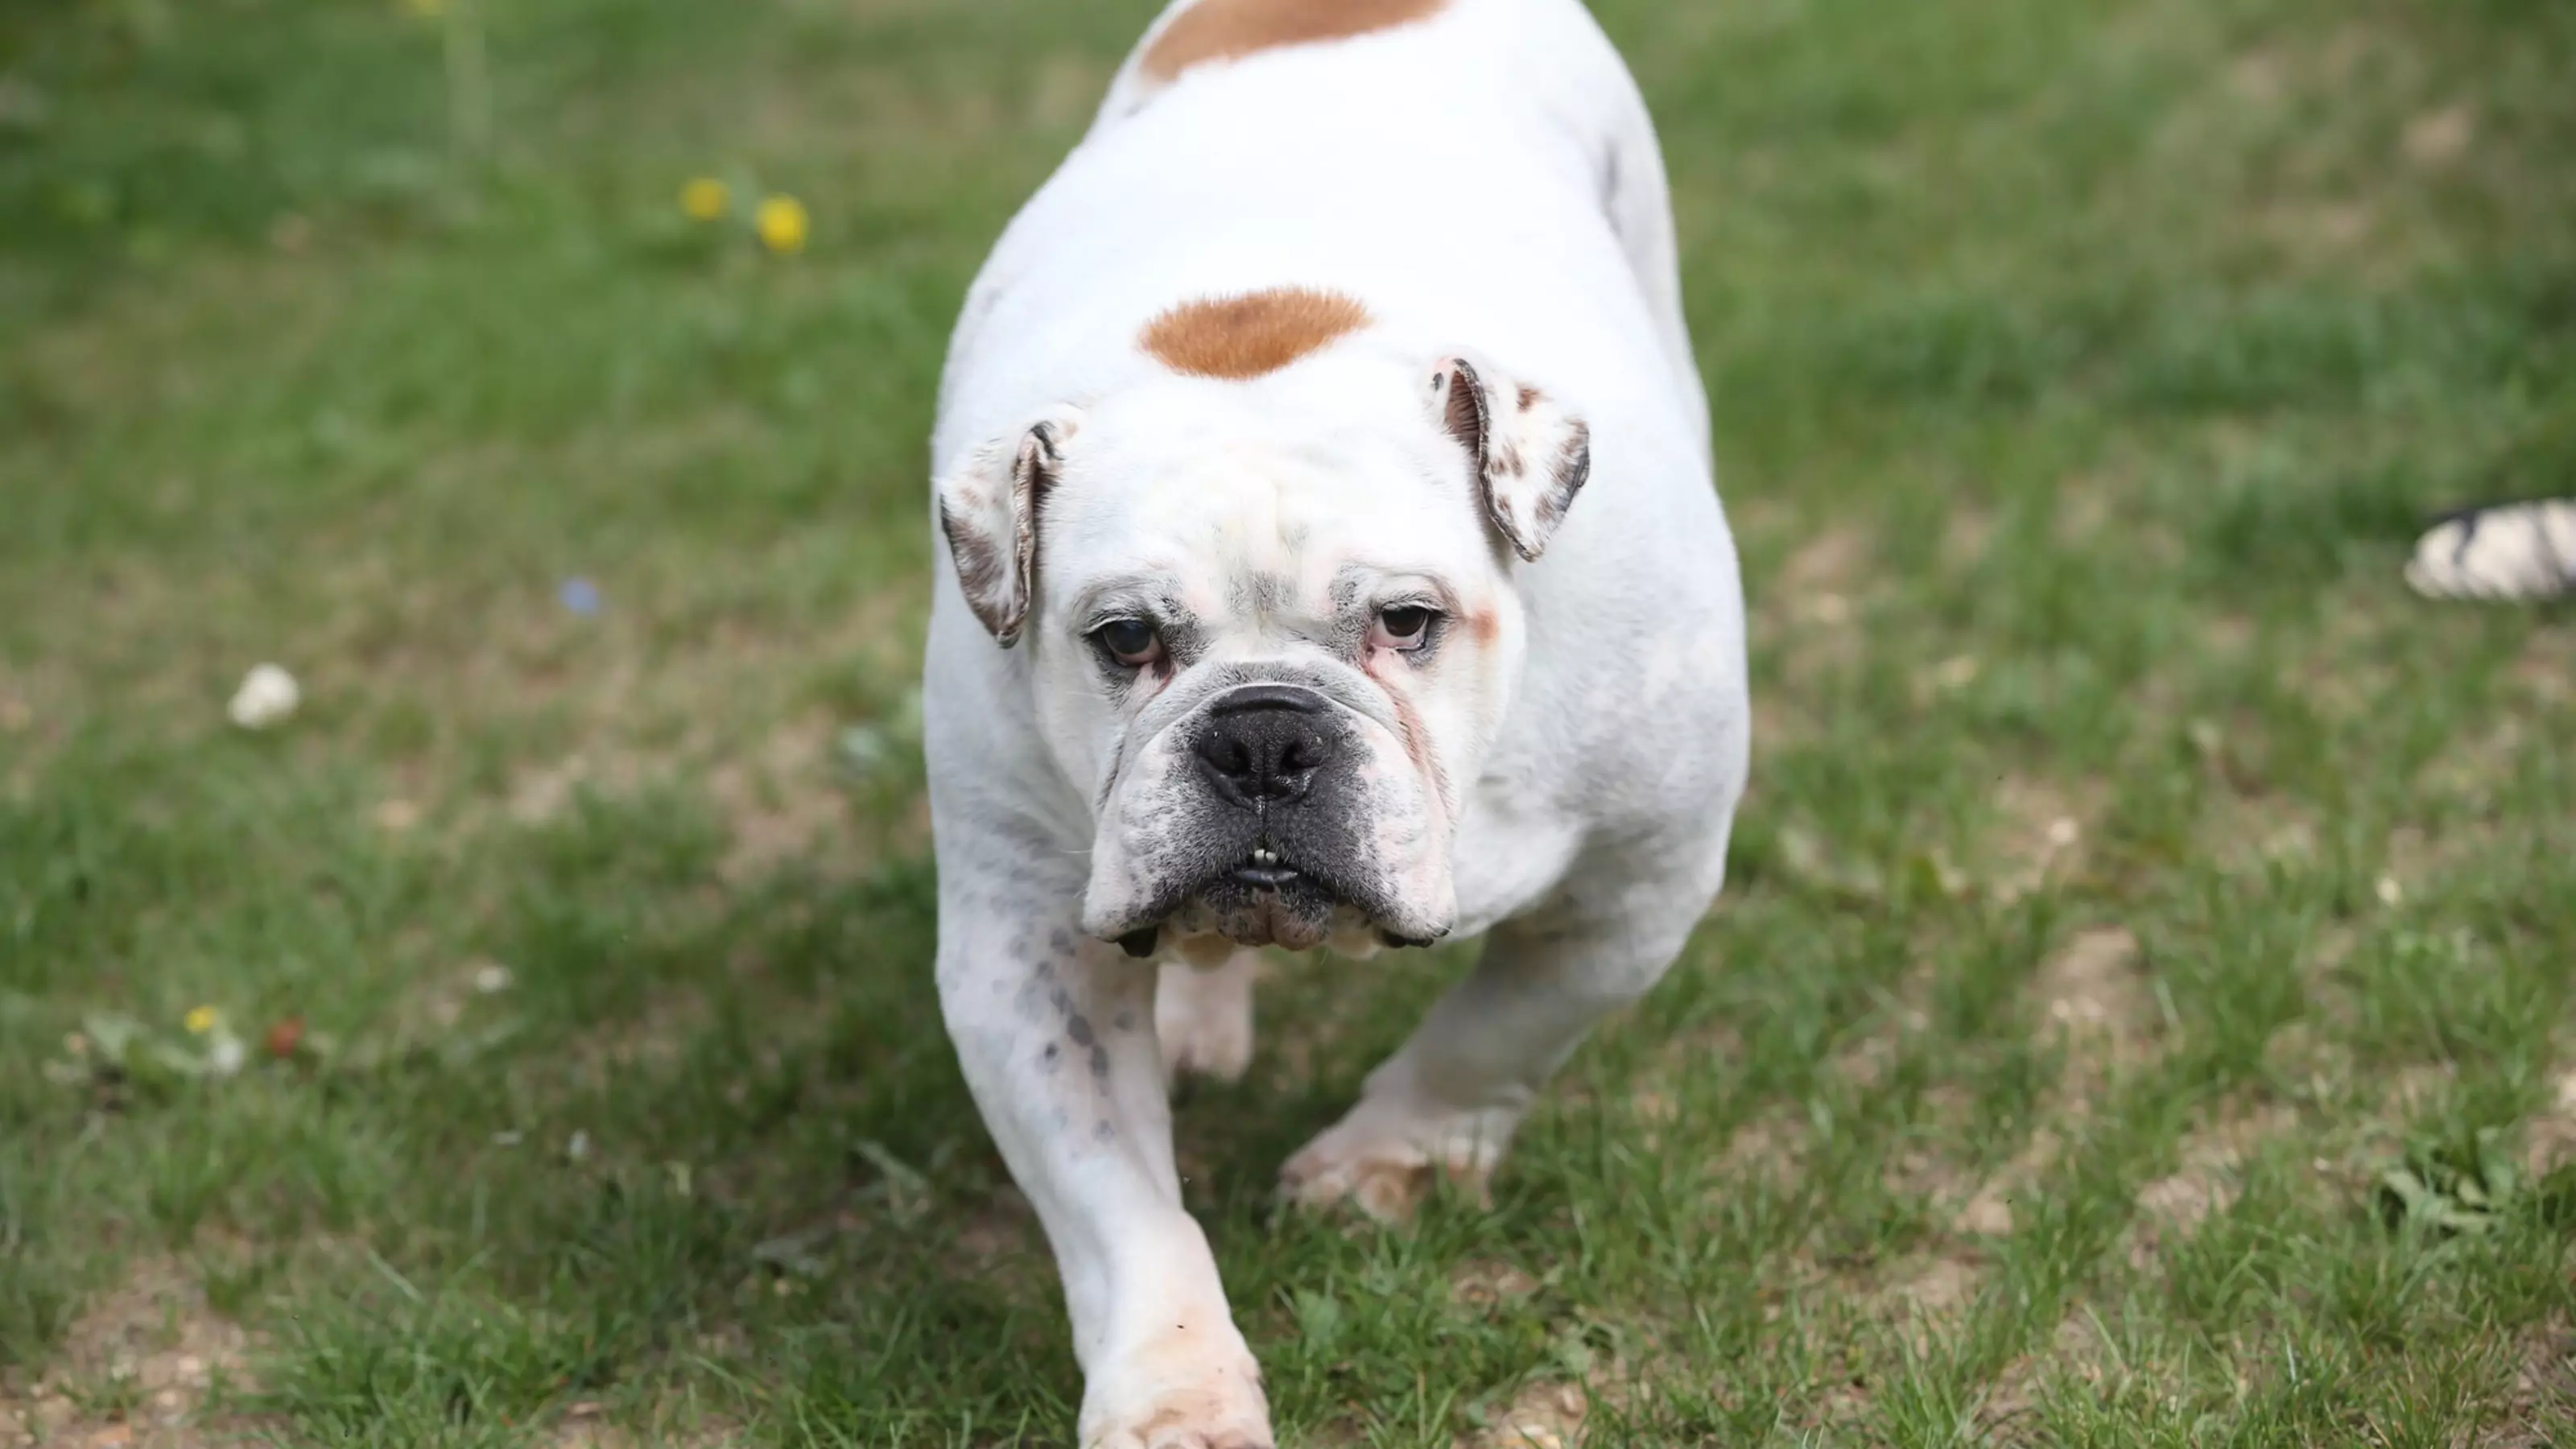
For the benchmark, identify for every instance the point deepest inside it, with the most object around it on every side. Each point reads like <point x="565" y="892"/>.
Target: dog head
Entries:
<point x="1272" y="624"/>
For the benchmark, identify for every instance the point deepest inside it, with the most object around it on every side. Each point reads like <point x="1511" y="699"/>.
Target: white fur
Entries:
<point x="1484" y="180"/>
<point x="1203" y="1017"/>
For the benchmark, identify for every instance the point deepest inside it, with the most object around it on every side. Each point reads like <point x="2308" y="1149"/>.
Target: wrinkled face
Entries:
<point x="1267" y="593"/>
<point x="1273" y="636"/>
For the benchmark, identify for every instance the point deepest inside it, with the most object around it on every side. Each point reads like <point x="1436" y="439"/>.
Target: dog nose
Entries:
<point x="1263" y="745"/>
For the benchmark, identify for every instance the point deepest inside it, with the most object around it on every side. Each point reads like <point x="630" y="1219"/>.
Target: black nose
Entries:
<point x="1263" y="744"/>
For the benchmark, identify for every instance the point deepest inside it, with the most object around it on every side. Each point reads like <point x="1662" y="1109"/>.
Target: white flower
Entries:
<point x="267" y="695"/>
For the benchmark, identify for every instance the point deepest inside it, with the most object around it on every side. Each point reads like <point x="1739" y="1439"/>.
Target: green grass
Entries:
<point x="2133" y="874"/>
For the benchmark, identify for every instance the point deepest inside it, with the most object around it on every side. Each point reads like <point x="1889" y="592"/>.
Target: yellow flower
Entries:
<point x="704" y="198"/>
<point x="781" y="224"/>
<point x="202" y="1020"/>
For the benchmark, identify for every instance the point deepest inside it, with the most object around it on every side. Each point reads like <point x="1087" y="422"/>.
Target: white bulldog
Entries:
<point x="1331" y="559"/>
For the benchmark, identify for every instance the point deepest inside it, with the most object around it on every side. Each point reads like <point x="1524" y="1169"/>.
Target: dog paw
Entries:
<point x="1159" y="1400"/>
<point x="1384" y="1161"/>
<point x="1204" y="1018"/>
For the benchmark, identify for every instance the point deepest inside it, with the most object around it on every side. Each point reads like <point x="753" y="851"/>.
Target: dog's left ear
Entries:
<point x="1530" y="455"/>
<point x="988" y="507"/>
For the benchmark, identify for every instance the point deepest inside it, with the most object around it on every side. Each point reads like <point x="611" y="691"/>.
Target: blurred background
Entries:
<point x="2140" y="1014"/>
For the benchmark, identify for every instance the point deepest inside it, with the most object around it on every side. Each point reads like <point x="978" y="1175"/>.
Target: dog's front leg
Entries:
<point x="1056" y="1035"/>
<point x="1449" y="1100"/>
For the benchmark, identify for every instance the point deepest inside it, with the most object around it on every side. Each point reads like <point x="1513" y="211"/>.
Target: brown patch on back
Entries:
<point x="1232" y="29"/>
<point x="1251" y="334"/>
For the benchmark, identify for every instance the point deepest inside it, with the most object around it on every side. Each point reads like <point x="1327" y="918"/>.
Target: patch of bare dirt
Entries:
<point x="2318" y="229"/>
<point x="1001" y="1228"/>
<point x="2247" y="833"/>
<point x="1925" y="1294"/>
<point x="2539" y="1408"/>
<point x="2092" y="994"/>
<point x="2084" y="505"/>
<point x="1654" y="1111"/>
<point x="2477" y="768"/>
<point x="145" y="1367"/>
<point x="778" y="797"/>
<point x="2095" y="989"/>
<point x="1767" y="1147"/>
<point x="1831" y="561"/>
<point x="1778" y="723"/>
<point x="1989" y="1211"/>
<point x="1866" y="1062"/>
<point x="2549" y="1139"/>
<point x="673" y="1016"/>
<point x="1966" y="536"/>
<point x="586" y="1425"/>
<point x="2207" y="1176"/>
<point x="1482" y="1283"/>
<point x="2438" y="136"/>
<point x="2545" y="667"/>
<point x="780" y="800"/>
<point x="2256" y="76"/>
<point x="1544" y="1415"/>
<point x="1937" y="1286"/>
<point x="1918" y="1171"/>
<point x="1068" y="88"/>
<point x="2074" y="1351"/>
<point x="2038" y="836"/>
<point x="1810" y="608"/>
<point x="2311" y="183"/>
<point x="2375" y="1118"/>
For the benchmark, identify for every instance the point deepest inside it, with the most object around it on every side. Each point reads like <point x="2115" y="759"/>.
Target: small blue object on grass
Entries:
<point x="579" y="595"/>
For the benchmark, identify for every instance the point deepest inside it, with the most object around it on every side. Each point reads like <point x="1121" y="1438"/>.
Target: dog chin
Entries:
<point x="1262" y="903"/>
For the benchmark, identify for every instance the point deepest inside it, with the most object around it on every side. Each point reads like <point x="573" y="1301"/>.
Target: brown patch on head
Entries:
<point x="1214" y="30"/>
<point x="1251" y="334"/>
<point x="1485" y="626"/>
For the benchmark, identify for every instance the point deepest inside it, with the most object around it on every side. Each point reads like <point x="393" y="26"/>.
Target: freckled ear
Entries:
<point x="1530" y="455"/>
<point x="988" y="508"/>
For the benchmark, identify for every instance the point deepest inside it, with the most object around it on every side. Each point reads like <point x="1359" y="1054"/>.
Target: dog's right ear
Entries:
<point x="988" y="507"/>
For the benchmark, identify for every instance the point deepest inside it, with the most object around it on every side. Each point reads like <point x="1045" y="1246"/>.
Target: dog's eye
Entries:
<point x="1402" y="627"/>
<point x="1132" y="642"/>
